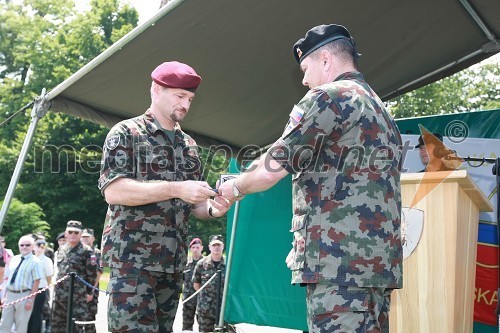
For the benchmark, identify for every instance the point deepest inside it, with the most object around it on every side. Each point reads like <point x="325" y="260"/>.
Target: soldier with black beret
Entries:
<point x="151" y="177"/>
<point x="343" y="150"/>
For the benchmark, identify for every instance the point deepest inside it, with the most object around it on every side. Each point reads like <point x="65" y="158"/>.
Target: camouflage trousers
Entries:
<point x="188" y="312"/>
<point x="339" y="309"/>
<point x="92" y="312"/>
<point x="205" y="323"/>
<point x="142" y="301"/>
<point x="60" y="311"/>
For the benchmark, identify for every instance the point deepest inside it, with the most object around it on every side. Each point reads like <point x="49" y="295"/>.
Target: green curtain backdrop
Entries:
<point x="259" y="290"/>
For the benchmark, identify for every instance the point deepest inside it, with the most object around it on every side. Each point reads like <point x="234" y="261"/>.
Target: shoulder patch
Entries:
<point x="112" y="142"/>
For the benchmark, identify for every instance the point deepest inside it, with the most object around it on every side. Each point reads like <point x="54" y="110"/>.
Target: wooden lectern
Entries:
<point x="439" y="276"/>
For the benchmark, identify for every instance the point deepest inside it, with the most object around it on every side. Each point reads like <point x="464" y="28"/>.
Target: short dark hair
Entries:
<point x="342" y="48"/>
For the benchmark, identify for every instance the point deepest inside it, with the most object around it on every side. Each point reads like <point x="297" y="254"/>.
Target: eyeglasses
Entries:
<point x="23" y="245"/>
<point x="73" y="232"/>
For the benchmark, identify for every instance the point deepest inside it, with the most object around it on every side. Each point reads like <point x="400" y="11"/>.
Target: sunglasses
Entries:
<point x="23" y="245"/>
<point x="73" y="232"/>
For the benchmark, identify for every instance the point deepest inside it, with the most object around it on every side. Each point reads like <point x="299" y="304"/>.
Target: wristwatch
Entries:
<point x="236" y="192"/>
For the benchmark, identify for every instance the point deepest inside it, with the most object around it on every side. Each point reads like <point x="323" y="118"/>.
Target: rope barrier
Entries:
<point x="35" y="293"/>
<point x="90" y="285"/>
<point x="201" y="288"/>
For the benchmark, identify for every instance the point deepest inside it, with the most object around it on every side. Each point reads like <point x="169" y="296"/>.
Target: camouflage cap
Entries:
<point x="87" y="232"/>
<point x="74" y="225"/>
<point x="216" y="239"/>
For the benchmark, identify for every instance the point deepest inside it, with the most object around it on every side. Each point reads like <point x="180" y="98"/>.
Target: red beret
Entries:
<point x="174" y="74"/>
<point x="195" y="241"/>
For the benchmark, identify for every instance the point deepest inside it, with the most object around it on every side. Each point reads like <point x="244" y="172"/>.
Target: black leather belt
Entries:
<point x="18" y="291"/>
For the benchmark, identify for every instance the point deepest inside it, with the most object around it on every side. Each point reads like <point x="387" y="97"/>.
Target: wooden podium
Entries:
<point x="439" y="276"/>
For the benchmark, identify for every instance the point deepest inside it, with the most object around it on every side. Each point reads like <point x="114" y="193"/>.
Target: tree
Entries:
<point x="23" y="219"/>
<point x="43" y="42"/>
<point x="476" y="88"/>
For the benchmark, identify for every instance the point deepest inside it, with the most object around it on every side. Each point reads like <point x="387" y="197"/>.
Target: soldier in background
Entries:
<point x="208" y="305"/>
<point x="189" y="308"/>
<point x="80" y="259"/>
<point x="88" y="239"/>
<point x="343" y="150"/>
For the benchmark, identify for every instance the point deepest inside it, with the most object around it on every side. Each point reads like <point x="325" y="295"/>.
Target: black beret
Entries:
<point x="430" y="138"/>
<point x="317" y="37"/>
<point x="174" y="74"/>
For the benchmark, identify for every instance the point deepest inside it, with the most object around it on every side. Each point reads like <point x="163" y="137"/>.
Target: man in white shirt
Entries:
<point x="23" y="278"/>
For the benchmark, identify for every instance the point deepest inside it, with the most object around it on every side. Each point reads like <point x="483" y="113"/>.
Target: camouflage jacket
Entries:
<point x="153" y="236"/>
<point x="188" y="289"/>
<point x="207" y="298"/>
<point x="81" y="260"/>
<point x="343" y="150"/>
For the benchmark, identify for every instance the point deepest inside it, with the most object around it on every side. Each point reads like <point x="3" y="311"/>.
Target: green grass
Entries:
<point x="103" y="282"/>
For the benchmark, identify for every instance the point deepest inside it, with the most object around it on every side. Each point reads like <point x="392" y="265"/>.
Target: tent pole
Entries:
<point x="39" y="110"/>
<point x="229" y="261"/>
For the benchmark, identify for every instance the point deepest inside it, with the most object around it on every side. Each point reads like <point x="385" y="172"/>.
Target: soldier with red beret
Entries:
<point x="189" y="307"/>
<point x="151" y="177"/>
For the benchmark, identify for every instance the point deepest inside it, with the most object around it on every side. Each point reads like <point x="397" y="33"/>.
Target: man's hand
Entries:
<point x="220" y="206"/>
<point x="28" y="305"/>
<point x="195" y="192"/>
<point x="226" y="190"/>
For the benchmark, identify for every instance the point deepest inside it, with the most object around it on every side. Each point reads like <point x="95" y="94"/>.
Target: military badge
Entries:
<point x="93" y="259"/>
<point x="113" y="142"/>
<point x="299" y="52"/>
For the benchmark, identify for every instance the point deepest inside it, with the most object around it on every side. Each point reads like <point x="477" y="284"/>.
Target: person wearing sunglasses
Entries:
<point x="79" y="258"/>
<point x="22" y="276"/>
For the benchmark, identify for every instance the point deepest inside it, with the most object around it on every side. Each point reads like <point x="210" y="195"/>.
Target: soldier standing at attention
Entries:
<point x="88" y="239"/>
<point x="189" y="308"/>
<point x="151" y="177"/>
<point x="78" y="258"/>
<point x="207" y="298"/>
<point x="343" y="150"/>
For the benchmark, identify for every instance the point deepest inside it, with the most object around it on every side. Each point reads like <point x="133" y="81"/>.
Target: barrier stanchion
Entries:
<point x="69" y="318"/>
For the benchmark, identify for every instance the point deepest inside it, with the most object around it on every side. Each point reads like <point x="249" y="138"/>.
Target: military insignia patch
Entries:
<point x="295" y="117"/>
<point x="113" y="142"/>
<point x="93" y="259"/>
<point x="299" y="52"/>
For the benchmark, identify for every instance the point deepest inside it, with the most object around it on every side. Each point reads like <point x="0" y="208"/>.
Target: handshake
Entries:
<point x="208" y="201"/>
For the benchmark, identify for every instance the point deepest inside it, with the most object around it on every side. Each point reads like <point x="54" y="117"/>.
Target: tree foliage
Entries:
<point x="43" y="42"/>
<point x="476" y="88"/>
<point x="23" y="219"/>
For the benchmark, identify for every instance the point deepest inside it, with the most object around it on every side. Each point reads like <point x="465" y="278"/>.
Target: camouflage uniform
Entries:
<point x="145" y="246"/>
<point x="346" y="202"/>
<point x="76" y="259"/>
<point x="189" y="308"/>
<point x="92" y="305"/>
<point x="207" y="298"/>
